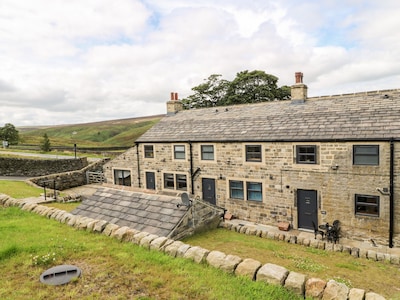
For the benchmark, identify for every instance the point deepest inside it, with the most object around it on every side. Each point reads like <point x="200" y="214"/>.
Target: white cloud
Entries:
<point x="88" y="60"/>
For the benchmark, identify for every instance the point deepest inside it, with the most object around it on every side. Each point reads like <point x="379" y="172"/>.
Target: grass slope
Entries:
<point x="99" y="134"/>
<point x="30" y="244"/>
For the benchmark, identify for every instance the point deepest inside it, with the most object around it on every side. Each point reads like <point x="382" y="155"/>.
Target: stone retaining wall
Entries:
<point x="313" y="288"/>
<point x="67" y="180"/>
<point x="315" y="243"/>
<point x="38" y="167"/>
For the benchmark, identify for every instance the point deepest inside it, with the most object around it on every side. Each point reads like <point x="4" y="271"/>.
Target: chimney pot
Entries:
<point x="176" y="96"/>
<point x="172" y="96"/>
<point x="299" y="77"/>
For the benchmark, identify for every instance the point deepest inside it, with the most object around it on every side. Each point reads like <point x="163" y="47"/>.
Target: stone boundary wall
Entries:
<point x="38" y="167"/>
<point x="315" y="243"/>
<point x="67" y="180"/>
<point x="313" y="288"/>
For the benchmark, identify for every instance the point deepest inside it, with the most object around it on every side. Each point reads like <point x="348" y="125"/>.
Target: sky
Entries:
<point x="80" y="61"/>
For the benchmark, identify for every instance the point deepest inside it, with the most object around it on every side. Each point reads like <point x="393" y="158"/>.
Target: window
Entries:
<point x="236" y="189"/>
<point x="179" y="152"/>
<point x="181" y="182"/>
<point x="122" y="177"/>
<point x="306" y="154"/>
<point x="175" y="180"/>
<point x="366" y="155"/>
<point x="169" y="182"/>
<point x="254" y="191"/>
<point x="207" y="152"/>
<point x="253" y="153"/>
<point x="148" y="151"/>
<point x="367" y="205"/>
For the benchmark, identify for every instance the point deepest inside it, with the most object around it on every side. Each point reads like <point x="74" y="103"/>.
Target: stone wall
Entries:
<point x="67" y="180"/>
<point x="38" y="167"/>
<point x="335" y="179"/>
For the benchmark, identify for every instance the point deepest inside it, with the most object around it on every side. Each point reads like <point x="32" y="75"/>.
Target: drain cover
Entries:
<point x="60" y="274"/>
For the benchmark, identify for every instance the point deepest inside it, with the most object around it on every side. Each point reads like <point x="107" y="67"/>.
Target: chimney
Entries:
<point x="299" y="89"/>
<point x="174" y="105"/>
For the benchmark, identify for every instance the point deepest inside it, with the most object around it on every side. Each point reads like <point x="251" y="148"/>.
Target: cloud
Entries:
<point x="88" y="60"/>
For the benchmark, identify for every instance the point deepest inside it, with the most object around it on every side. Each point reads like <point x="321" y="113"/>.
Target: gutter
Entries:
<point x="391" y="194"/>
<point x="138" y="163"/>
<point x="191" y="166"/>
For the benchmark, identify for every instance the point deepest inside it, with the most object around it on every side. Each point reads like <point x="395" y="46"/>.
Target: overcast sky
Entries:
<point x="78" y="61"/>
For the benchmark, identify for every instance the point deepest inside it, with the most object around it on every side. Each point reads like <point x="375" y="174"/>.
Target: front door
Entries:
<point x="208" y="185"/>
<point x="307" y="208"/>
<point x="150" y="181"/>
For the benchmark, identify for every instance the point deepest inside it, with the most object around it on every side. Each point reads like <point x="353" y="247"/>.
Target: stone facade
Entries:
<point x="335" y="179"/>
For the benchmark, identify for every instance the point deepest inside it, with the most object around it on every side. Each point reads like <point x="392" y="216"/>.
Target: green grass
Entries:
<point x="19" y="189"/>
<point x="379" y="277"/>
<point x="100" y="134"/>
<point x="30" y="244"/>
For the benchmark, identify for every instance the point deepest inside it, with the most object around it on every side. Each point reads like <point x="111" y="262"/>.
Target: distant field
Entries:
<point x="114" y="133"/>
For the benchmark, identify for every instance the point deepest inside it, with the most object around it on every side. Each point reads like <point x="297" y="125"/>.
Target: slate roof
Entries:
<point x="359" y="116"/>
<point x="156" y="214"/>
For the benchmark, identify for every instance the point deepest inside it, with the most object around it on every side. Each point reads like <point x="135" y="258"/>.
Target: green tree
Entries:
<point x="45" y="145"/>
<point x="9" y="133"/>
<point x="251" y="87"/>
<point x="247" y="87"/>
<point x="210" y="93"/>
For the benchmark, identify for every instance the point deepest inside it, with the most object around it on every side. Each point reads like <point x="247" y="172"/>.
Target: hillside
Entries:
<point x="112" y="133"/>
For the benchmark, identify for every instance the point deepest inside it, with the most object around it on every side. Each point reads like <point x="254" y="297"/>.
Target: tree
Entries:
<point x="251" y="87"/>
<point x="9" y="133"/>
<point x="45" y="145"/>
<point x="247" y="87"/>
<point x="210" y="93"/>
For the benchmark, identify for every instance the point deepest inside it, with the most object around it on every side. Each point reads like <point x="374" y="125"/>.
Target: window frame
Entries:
<point x="249" y="190"/>
<point x="146" y="151"/>
<point x="178" y="153"/>
<point x="253" y="156"/>
<point x="300" y="155"/>
<point x="203" y="153"/>
<point x="123" y="177"/>
<point x="237" y="189"/>
<point x="181" y="185"/>
<point x="358" y="204"/>
<point x="357" y="156"/>
<point x="242" y="191"/>
<point x="175" y="181"/>
<point x="169" y="180"/>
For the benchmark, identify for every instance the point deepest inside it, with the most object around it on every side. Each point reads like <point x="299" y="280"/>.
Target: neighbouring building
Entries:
<point x="301" y="161"/>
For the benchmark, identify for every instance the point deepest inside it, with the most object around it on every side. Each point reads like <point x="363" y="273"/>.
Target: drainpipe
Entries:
<point x="138" y="163"/>
<point x="391" y="194"/>
<point x="191" y="166"/>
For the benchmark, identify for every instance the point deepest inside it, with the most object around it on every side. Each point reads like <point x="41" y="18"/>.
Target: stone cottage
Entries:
<point x="302" y="161"/>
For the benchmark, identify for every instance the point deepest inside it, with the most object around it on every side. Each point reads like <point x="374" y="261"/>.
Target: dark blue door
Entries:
<point x="208" y="185"/>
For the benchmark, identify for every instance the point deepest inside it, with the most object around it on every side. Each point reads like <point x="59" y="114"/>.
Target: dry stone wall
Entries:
<point x="38" y="167"/>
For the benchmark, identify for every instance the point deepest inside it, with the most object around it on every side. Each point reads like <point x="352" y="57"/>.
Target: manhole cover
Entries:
<point x="60" y="275"/>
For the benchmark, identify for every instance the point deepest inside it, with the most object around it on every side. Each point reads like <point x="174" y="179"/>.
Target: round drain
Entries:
<point x="60" y="274"/>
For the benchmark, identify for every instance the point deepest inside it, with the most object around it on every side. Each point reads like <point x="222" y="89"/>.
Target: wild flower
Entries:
<point x="43" y="260"/>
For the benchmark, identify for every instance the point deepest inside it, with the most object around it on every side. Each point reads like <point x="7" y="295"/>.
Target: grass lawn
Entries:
<point x="30" y="244"/>
<point x="379" y="277"/>
<point x="19" y="189"/>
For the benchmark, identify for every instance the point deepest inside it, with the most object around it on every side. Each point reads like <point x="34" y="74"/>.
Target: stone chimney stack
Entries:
<point x="299" y="89"/>
<point x="174" y="105"/>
